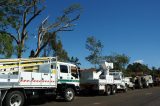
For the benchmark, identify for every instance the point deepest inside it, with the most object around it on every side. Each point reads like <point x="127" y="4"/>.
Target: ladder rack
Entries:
<point x="24" y="64"/>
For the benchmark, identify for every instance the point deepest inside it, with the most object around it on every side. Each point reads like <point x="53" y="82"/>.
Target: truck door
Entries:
<point x="64" y="73"/>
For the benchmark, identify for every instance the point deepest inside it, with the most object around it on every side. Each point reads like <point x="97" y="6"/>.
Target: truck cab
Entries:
<point x="129" y="82"/>
<point x="68" y="80"/>
<point x="119" y="80"/>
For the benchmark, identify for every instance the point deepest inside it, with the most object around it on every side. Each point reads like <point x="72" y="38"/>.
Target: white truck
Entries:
<point x="21" y="78"/>
<point x="149" y="80"/>
<point x="98" y="81"/>
<point x="129" y="82"/>
<point x="119" y="80"/>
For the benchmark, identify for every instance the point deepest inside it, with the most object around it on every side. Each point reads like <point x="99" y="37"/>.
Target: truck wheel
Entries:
<point x="125" y="90"/>
<point x="14" y="98"/>
<point x="69" y="94"/>
<point x="114" y="89"/>
<point x="133" y="88"/>
<point x="108" y="89"/>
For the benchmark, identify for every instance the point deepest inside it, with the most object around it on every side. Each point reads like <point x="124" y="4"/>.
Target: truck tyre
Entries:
<point x="108" y="90"/>
<point x="125" y="88"/>
<point x="133" y="88"/>
<point x="69" y="95"/>
<point x="114" y="89"/>
<point x="14" y="98"/>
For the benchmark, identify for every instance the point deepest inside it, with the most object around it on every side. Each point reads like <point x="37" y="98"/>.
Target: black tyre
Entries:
<point x="108" y="90"/>
<point x="69" y="94"/>
<point x="133" y="88"/>
<point x="114" y="89"/>
<point x="14" y="98"/>
<point x="125" y="88"/>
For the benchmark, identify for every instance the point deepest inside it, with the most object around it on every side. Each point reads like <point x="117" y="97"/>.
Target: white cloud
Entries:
<point x="139" y="61"/>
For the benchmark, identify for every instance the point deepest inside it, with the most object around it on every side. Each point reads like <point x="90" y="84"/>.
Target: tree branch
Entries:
<point x="36" y="14"/>
<point x="39" y="49"/>
<point x="12" y="36"/>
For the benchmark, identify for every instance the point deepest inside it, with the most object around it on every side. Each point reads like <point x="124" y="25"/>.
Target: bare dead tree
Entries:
<point x="21" y="31"/>
<point x="63" y="23"/>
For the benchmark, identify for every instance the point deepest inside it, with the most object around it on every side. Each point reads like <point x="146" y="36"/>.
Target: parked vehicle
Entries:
<point x="98" y="82"/>
<point x="119" y="80"/>
<point x="129" y="82"/>
<point x="144" y="81"/>
<point x="138" y="82"/>
<point x="21" y="78"/>
<point x="156" y="81"/>
<point x="149" y="80"/>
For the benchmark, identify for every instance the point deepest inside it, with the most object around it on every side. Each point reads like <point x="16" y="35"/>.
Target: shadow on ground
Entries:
<point x="40" y="100"/>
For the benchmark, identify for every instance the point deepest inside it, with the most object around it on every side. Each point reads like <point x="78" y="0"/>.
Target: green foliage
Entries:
<point x="18" y="14"/>
<point x="10" y="13"/>
<point x="15" y="16"/>
<point x="55" y="48"/>
<point x="155" y="72"/>
<point x="75" y="61"/>
<point x="119" y="61"/>
<point x="94" y="46"/>
<point x="60" y="52"/>
<point x="138" y="68"/>
<point x="6" y="47"/>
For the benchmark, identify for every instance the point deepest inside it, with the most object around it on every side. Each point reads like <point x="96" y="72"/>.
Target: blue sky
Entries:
<point x="131" y="27"/>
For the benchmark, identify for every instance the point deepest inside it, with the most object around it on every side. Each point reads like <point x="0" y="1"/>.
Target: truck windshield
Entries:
<point x="116" y="76"/>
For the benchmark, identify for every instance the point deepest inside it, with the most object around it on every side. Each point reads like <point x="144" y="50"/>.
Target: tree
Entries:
<point x="6" y="47"/>
<point x="9" y="13"/>
<point x="75" y="61"/>
<point x="55" y="48"/>
<point x="155" y="72"/>
<point x="63" y="23"/>
<point x="138" y="68"/>
<point x="119" y="60"/>
<point x="94" y="46"/>
<point x="32" y="54"/>
<point x="60" y="52"/>
<point x="25" y="12"/>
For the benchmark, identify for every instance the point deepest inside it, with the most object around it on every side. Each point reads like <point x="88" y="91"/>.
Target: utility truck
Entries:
<point x="129" y="82"/>
<point x="119" y="80"/>
<point x="22" y="78"/>
<point x="149" y="80"/>
<point x="100" y="82"/>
